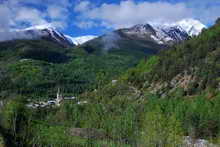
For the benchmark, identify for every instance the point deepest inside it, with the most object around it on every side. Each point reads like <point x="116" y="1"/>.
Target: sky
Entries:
<point x="96" y="17"/>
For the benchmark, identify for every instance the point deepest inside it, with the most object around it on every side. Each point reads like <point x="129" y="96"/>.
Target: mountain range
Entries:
<point x="109" y="54"/>
<point x="165" y="34"/>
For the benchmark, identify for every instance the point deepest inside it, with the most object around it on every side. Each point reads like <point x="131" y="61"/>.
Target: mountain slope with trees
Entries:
<point x="162" y="101"/>
<point x="33" y="67"/>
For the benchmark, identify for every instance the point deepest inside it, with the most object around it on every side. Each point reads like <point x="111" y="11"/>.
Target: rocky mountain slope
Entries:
<point x="36" y="33"/>
<point x="148" y="38"/>
<point x="166" y="33"/>
<point x="191" y="26"/>
<point x="46" y="32"/>
<point x="159" y="34"/>
<point x="195" y="70"/>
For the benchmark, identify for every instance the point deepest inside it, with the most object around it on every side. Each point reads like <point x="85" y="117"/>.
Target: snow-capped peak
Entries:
<point x="48" y="32"/>
<point x="80" y="40"/>
<point x="159" y="33"/>
<point x="167" y="33"/>
<point x="49" y="27"/>
<point x="45" y="31"/>
<point x="191" y="26"/>
<point x="74" y="40"/>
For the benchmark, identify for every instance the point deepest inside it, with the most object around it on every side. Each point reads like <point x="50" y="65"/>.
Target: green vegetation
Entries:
<point x="157" y="103"/>
<point x="36" y="68"/>
<point x="120" y="120"/>
<point x="198" y="57"/>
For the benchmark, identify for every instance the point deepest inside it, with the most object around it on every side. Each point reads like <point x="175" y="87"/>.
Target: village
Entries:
<point x="56" y="102"/>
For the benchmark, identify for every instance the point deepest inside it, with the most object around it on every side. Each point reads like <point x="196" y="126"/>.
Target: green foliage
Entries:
<point x="124" y="111"/>
<point x="161" y="130"/>
<point x="32" y="49"/>
<point x="36" y="68"/>
<point x="197" y="57"/>
<point x="198" y="116"/>
<point x="1" y="142"/>
<point x="192" y="56"/>
<point x="137" y="75"/>
<point x="16" y="123"/>
<point x="54" y="136"/>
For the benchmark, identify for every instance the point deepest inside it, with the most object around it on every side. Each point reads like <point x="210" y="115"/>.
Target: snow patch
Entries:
<point x="156" y="39"/>
<point x="193" y="27"/>
<point x="80" y="40"/>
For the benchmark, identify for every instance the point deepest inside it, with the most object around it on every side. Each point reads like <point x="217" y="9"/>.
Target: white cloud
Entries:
<point x="82" y="6"/>
<point x="5" y="21"/>
<point x="205" y="10"/>
<point x="59" y="24"/>
<point x="57" y="12"/>
<point x="23" y="13"/>
<point x="17" y="14"/>
<point x="30" y="16"/>
<point x="129" y="13"/>
<point x="63" y="3"/>
<point x="86" y="24"/>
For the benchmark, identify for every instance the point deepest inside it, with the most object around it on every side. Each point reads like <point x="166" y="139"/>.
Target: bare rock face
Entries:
<point x="183" y="80"/>
<point x="187" y="81"/>
<point x="189" y="142"/>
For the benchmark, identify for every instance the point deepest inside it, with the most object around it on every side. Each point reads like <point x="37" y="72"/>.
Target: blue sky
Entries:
<point x="95" y="17"/>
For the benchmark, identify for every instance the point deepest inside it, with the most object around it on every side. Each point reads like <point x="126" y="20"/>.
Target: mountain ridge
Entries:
<point x="146" y="38"/>
<point x="167" y="33"/>
<point x="192" y="27"/>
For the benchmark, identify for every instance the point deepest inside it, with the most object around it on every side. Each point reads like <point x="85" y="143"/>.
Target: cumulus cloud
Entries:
<point x="129" y="12"/>
<point x="18" y="35"/>
<point x="57" y="12"/>
<point x="205" y="10"/>
<point x="63" y="3"/>
<point x="17" y="14"/>
<point x="30" y="16"/>
<point x="58" y="24"/>
<point x="86" y="24"/>
<point x="82" y="6"/>
<point x="5" y="21"/>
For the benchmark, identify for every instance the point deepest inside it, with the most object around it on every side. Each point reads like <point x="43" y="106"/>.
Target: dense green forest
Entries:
<point x="157" y="103"/>
<point x="36" y="68"/>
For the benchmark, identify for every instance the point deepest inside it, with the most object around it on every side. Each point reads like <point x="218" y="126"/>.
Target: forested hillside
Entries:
<point x="192" y="66"/>
<point x="37" y="68"/>
<point x="161" y="102"/>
